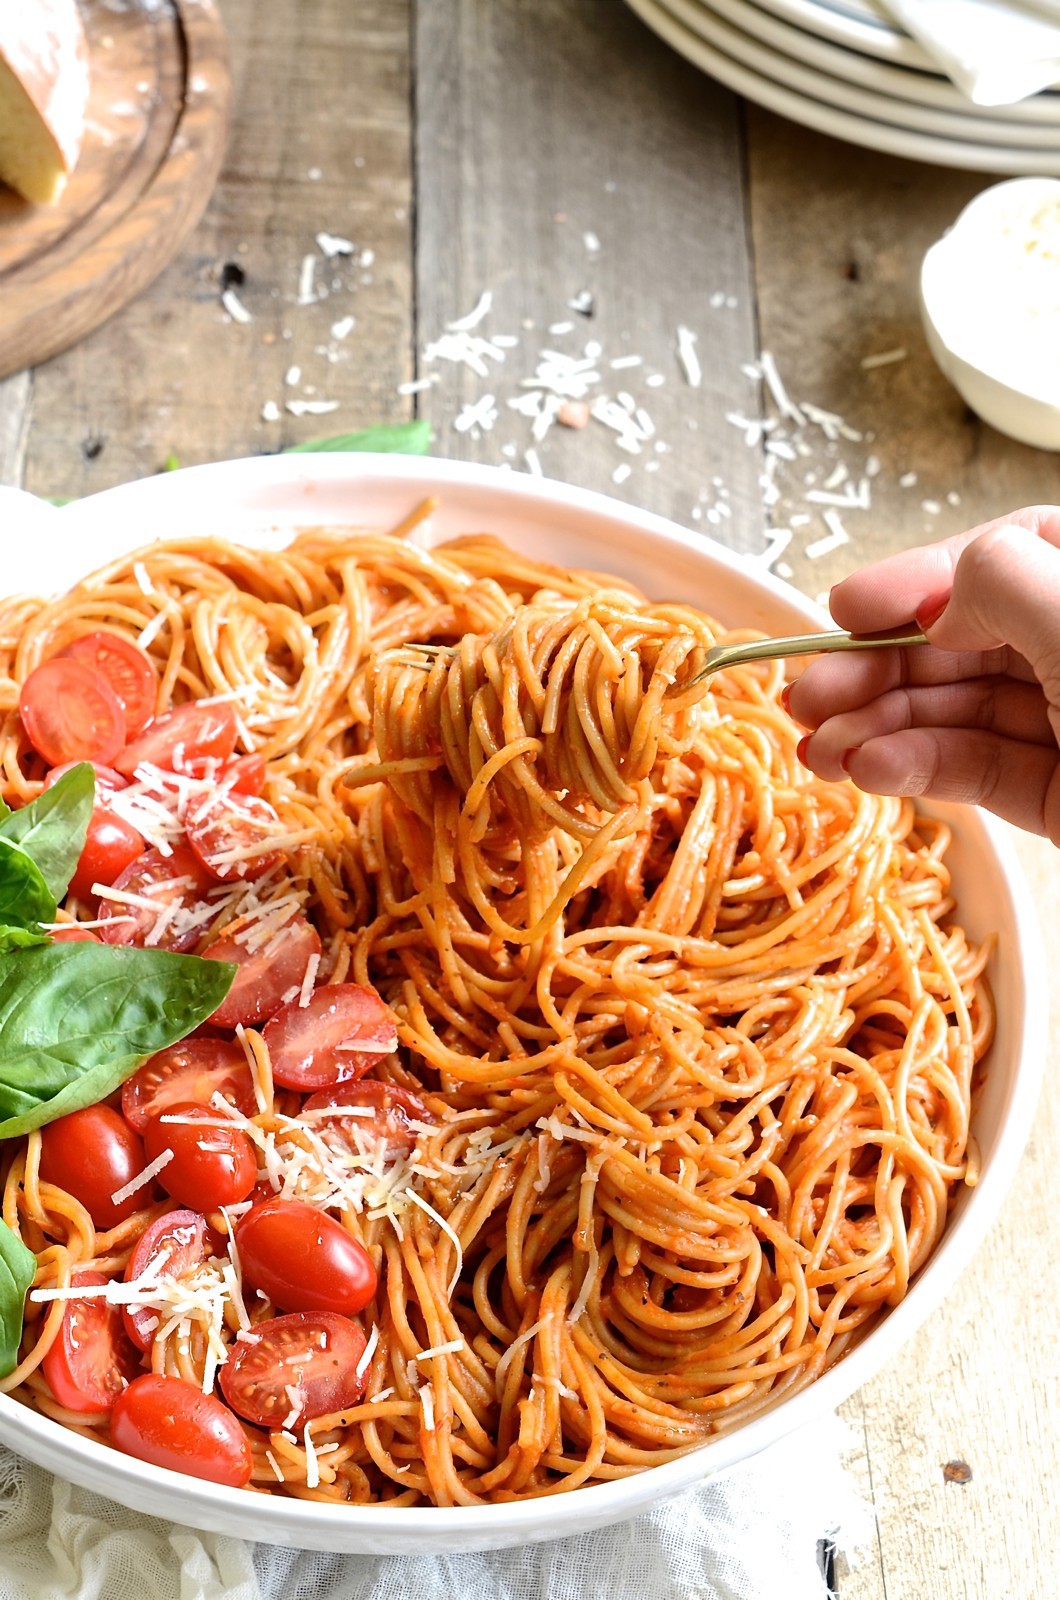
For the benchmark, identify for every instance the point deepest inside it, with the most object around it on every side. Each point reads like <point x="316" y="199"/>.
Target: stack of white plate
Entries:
<point x="846" y="68"/>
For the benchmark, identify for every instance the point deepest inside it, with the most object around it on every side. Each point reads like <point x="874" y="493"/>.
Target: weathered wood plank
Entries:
<point x="15" y="400"/>
<point x="839" y="235"/>
<point x="980" y="1386"/>
<point x="320" y="143"/>
<point x="542" y="128"/>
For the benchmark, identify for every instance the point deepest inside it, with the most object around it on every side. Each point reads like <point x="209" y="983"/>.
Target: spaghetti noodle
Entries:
<point x="696" y="1031"/>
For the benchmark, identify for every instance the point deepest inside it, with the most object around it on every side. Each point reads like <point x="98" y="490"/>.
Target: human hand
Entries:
<point x="974" y="715"/>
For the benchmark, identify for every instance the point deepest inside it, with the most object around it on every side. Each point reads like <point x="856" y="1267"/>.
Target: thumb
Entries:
<point x="1005" y="593"/>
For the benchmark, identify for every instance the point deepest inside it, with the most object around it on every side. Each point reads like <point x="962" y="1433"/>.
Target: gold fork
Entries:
<point x="720" y="656"/>
<point x="805" y="644"/>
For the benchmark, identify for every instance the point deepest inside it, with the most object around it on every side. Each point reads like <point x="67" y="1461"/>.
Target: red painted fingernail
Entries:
<point x="930" y="610"/>
<point x="800" y="748"/>
<point x="785" y="698"/>
<point x="844" y="759"/>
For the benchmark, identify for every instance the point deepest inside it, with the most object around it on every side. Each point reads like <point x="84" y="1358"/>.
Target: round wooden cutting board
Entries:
<point x="154" y="138"/>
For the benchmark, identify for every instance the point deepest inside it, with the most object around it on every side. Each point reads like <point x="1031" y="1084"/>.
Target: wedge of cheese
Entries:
<point x="43" y="92"/>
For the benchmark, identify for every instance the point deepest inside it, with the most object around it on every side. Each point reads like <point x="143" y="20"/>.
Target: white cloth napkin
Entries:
<point x="995" y="51"/>
<point x="750" y="1535"/>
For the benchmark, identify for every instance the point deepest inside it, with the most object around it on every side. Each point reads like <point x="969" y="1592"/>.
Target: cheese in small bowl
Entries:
<point x="990" y="302"/>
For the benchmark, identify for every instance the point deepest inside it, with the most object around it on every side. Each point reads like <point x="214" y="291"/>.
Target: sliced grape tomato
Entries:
<point x="266" y="974"/>
<point x="232" y="835"/>
<point x="245" y="775"/>
<point x="343" y="1032"/>
<point x="71" y="713"/>
<point x="108" y="780"/>
<point x="128" y="670"/>
<point x="192" y="1070"/>
<point x="169" y="1248"/>
<point x="182" y="739"/>
<point x="176" y="884"/>
<point x="358" y="1114"/>
<point x="111" y="847"/>
<point x="305" y="1363"/>
<point x="91" y="1359"/>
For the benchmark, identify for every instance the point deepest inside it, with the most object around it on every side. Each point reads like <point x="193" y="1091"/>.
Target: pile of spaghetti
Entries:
<point x="696" y="1030"/>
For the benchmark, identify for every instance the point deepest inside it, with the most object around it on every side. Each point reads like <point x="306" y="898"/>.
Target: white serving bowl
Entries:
<point x="264" y="501"/>
<point x="971" y="285"/>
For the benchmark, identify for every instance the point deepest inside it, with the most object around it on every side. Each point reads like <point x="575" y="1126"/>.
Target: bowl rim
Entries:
<point x="294" y="1522"/>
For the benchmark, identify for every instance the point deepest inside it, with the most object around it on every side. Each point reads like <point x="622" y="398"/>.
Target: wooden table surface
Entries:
<point x="544" y="150"/>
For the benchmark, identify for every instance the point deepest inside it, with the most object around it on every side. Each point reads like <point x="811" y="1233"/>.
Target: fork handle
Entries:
<point x="811" y="644"/>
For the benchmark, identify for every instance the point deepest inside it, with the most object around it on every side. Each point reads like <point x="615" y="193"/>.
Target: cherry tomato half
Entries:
<point x="211" y="1166"/>
<point x="393" y="1110"/>
<point x="170" y="1247"/>
<point x="128" y="669"/>
<point x="342" y="1033"/>
<point x="92" y="1153"/>
<point x="227" y="826"/>
<point x="245" y="775"/>
<point x="195" y="732"/>
<point x="264" y="975"/>
<point x="91" y="1359"/>
<point x="193" y="1070"/>
<point x="307" y="1360"/>
<point x="171" y="1423"/>
<point x="71" y="713"/>
<point x="178" y="880"/>
<point x="108" y="781"/>
<point x="111" y="843"/>
<point x="111" y="846"/>
<point x="303" y="1259"/>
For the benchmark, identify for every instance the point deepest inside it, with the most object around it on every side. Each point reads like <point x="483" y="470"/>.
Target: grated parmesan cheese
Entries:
<point x="295" y="1398"/>
<point x="686" y="355"/>
<point x="501" y="1369"/>
<point x="367" y="1353"/>
<point x="312" y="1471"/>
<point x="473" y="318"/>
<point x="306" y="991"/>
<point x="438" y="1350"/>
<point x="152" y="1169"/>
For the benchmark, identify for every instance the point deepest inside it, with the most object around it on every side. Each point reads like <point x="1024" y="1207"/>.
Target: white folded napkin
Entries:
<point x="995" y="51"/>
<point x="752" y="1533"/>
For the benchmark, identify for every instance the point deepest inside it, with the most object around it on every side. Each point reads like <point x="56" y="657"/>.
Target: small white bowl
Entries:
<point x="971" y="301"/>
<point x="263" y="502"/>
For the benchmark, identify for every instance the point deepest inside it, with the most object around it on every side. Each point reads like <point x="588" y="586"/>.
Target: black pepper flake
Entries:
<point x="852" y="272"/>
<point x="956" y="1472"/>
<point x="232" y="276"/>
<point x="92" y="446"/>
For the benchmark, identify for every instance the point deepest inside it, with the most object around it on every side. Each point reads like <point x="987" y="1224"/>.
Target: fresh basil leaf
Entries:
<point x="51" y="830"/>
<point x="391" y="438"/>
<point x="5" y="810"/>
<point x="77" y="1019"/>
<point x="25" y="898"/>
<point x="17" y="1268"/>
<point x="21" y="938"/>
